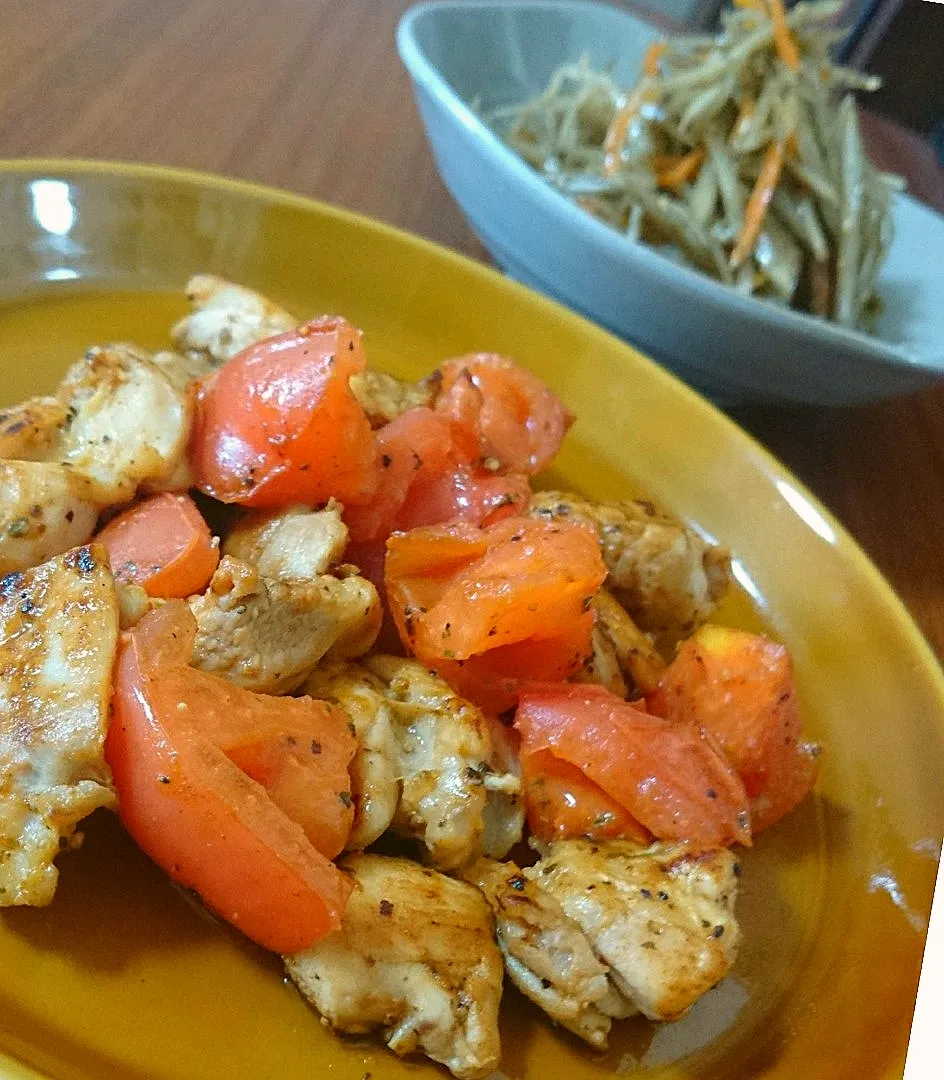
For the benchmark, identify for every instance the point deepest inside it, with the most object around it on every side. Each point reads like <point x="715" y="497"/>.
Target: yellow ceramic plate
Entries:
<point x="122" y="977"/>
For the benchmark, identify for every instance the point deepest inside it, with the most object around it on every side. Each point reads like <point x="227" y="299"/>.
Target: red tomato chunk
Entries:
<point x="278" y="423"/>
<point x="240" y="796"/>
<point x="670" y="777"/>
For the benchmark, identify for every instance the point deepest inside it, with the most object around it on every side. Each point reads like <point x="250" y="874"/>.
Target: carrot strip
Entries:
<point x="619" y="126"/>
<point x="756" y="209"/>
<point x="671" y="171"/>
<point x="784" y="40"/>
<point x="652" y="57"/>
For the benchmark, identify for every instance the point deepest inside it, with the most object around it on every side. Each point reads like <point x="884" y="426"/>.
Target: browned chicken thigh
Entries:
<point x="415" y="957"/>
<point x="58" y="635"/>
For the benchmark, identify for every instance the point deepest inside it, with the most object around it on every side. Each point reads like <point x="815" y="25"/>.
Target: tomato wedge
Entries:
<point x="491" y="608"/>
<point x="162" y="544"/>
<point x="670" y="777"/>
<point x="518" y="420"/>
<point x="493" y="679"/>
<point x="430" y="477"/>
<point x="563" y="804"/>
<point x="174" y="746"/>
<point x="464" y="494"/>
<point x="278" y="424"/>
<point x="740" y="687"/>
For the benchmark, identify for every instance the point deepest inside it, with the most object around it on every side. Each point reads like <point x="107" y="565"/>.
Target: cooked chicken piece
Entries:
<point x="661" y="917"/>
<point x="45" y="509"/>
<point x="183" y="370"/>
<point x="58" y="634"/>
<point x="546" y="954"/>
<point x="447" y="764"/>
<point x="415" y="957"/>
<point x="27" y="431"/>
<point x="384" y="397"/>
<point x="226" y="319"/>
<point x="503" y="818"/>
<point x="130" y="423"/>
<point x="624" y="658"/>
<point x="603" y="668"/>
<point x="666" y="576"/>
<point x="133" y="604"/>
<point x="297" y="544"/>
<point x="427" y="767"/>
<point x="121" y="421"/>
<point x="375" y="770"/>
<point x="268" y="635"/>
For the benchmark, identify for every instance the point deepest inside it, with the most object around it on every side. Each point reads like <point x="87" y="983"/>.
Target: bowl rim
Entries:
<point x="675" y="276"/>
<point x="753" y="453"/>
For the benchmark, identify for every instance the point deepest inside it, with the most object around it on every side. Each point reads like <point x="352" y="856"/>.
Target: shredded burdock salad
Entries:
<point x="738" y="154"/>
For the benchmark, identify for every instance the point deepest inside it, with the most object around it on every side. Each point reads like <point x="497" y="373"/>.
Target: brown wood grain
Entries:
<point x="310" y="95"/>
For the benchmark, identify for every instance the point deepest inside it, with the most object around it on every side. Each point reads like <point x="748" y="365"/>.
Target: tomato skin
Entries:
<point x="464" y="494"/>
<point x="519" y="421"/>
<point x="484" y="588"/>
<point x="670" y="777"/>
<point x="300" y="751"/>
<point x="278" y="424"/>
<point x="430" y="477"/>
<point x="740" y="687"/>
<point x="492" y="608"/>
<point x="494" y="679"/>
<point x="162" y="544"/>
<point x="563" y="804"/>
<point x="196" y="813"/>
<point x="416" y="444"/>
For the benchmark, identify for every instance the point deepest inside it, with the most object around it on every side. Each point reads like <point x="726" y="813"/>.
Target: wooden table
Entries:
<point x="310" y="95"/>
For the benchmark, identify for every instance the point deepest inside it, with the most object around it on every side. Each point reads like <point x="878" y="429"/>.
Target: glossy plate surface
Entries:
<point x="123" y="978"/>
<point x="467" y="57"/>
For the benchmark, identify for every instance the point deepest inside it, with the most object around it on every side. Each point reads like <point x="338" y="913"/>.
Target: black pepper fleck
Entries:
<point x="10" y="582"/>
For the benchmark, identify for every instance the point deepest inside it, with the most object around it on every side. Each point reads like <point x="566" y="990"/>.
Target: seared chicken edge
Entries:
<point x="666" y="576"/>
<point x="268" y="636"/>
<point x="661" y="917"/>
<point x="415" y="957"/>
<point x="58" y="636"/>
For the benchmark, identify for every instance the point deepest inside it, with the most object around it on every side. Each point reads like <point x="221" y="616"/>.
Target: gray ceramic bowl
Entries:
<point x="494" y="52"/>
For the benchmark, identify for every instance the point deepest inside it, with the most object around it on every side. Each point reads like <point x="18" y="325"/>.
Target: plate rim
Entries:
<point x="751" y="453"/>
